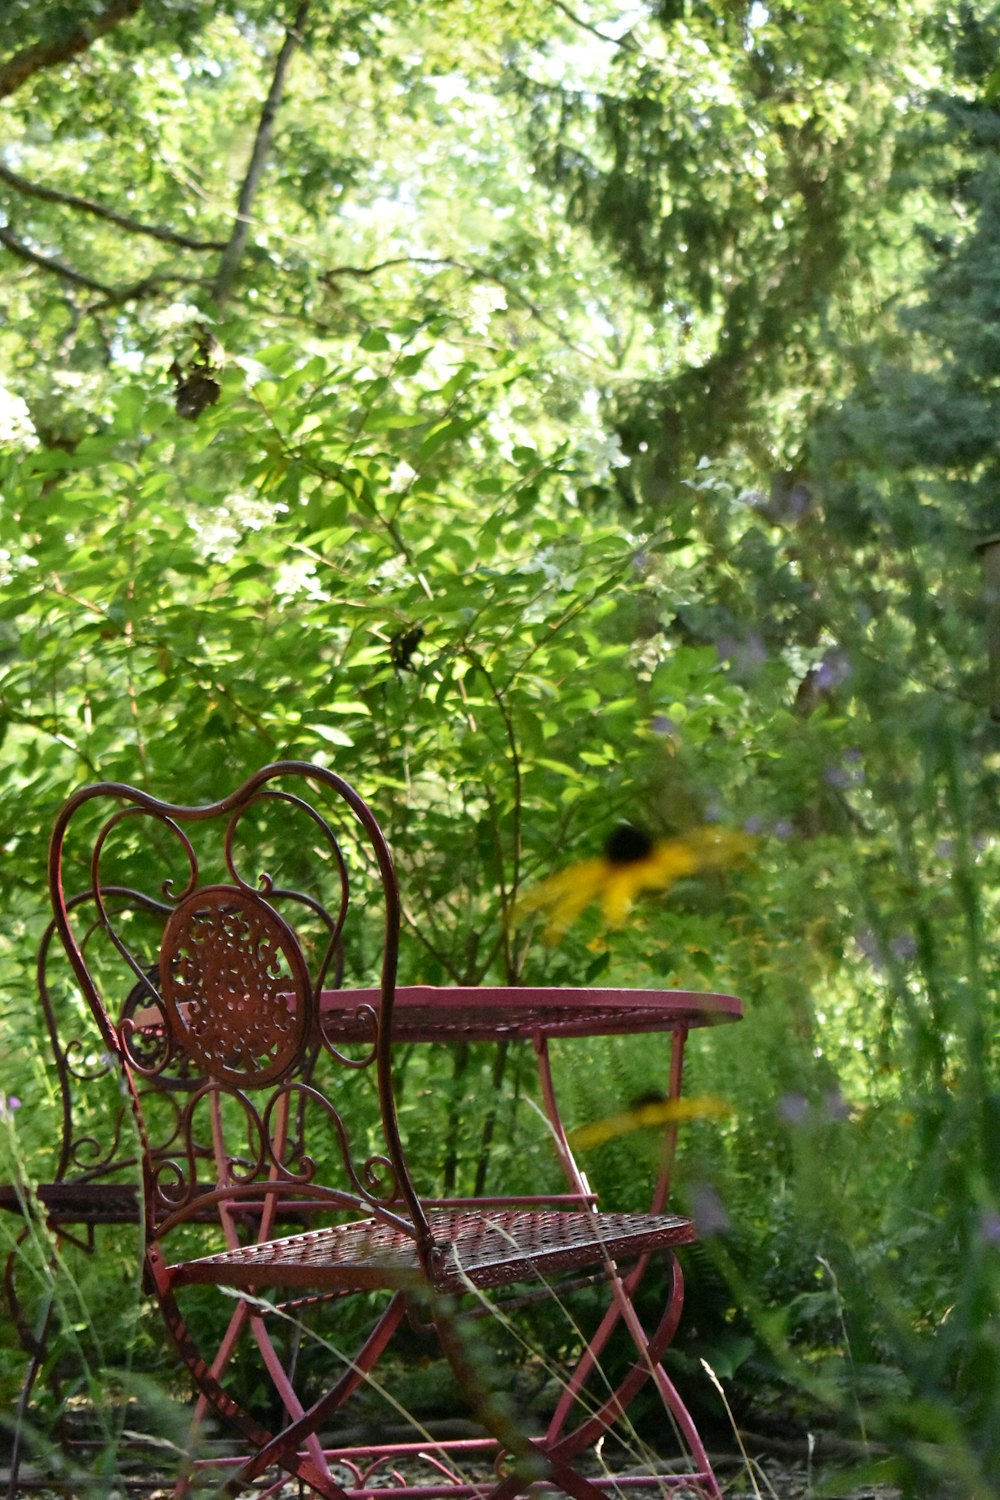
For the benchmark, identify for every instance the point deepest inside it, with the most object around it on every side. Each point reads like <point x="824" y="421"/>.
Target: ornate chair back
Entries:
<point x="239" y="1091"/>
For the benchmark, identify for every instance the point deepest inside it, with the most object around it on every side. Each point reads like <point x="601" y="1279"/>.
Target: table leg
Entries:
<point x="574" y="1176"/>
<point x="661" y="1191"/>
<point x="622" y="1310"/>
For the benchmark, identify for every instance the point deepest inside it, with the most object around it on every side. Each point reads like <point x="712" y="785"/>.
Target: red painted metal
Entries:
<point x="237" y="1033"/>
<point x="424" y="1013"/>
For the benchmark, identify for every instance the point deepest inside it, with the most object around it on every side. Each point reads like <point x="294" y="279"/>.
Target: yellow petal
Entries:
<point x="620" y="889"/>
<point x="659" y="1112"/>
<point x="566" y="910"/>
<point x="584" y="875"/>
<point x="569" y="891"/>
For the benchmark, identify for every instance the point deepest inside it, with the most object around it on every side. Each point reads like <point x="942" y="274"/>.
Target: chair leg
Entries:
<point x="555" y="1454"/>
<point x="35" y="1343"/>
<point x="307" y="1422"/>
<point x="613" y="1406"/>
<point x="216" y="1370"/>
<point x="669" y="1395"/>
<point x="555" y="1472"/>
<point x="284" y="1448"/>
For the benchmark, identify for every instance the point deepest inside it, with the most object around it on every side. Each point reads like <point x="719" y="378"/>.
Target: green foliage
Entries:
<point x="744" y="165"/>
<point x="389" y="536"/>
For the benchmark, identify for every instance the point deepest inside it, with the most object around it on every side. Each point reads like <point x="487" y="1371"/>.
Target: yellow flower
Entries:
<point x="631" y="862"/>
<point x="650" y="1112"/>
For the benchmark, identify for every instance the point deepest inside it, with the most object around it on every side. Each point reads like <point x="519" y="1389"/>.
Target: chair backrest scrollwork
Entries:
<point x="239" y="1086"/>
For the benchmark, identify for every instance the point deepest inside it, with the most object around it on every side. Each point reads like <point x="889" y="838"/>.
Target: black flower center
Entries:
<point x="627" y="845"/>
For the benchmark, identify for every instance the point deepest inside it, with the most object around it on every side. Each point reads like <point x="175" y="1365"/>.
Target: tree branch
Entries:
<point x="626" y="42"/>
<point x="19" y="68"/>
<point x="51" y="264"/>
<point x="113" y="296"/>
<point x="475" y="273"/>
<point x="87" y="205"/>
<point x="147" y="287"/>
<point x="233" y="253"/>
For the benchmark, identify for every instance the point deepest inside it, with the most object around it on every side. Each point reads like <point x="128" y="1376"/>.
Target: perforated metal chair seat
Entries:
<point x="489" y="1248"/>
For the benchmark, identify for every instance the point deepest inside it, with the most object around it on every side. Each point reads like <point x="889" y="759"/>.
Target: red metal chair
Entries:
<point x="93" y="1184"/>
<point x="93" y="1181"/>
<point x="273" y="1106"/>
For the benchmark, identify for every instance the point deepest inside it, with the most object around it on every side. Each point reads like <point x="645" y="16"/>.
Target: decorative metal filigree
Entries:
<point x="236" y="990"/>
<point x="206" y="984"/>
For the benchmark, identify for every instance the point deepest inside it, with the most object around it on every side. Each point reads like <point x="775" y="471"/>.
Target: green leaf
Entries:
<point x="331" y="734"/>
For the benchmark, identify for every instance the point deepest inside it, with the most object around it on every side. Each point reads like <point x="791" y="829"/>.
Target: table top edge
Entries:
<point x="682" y="1004"/>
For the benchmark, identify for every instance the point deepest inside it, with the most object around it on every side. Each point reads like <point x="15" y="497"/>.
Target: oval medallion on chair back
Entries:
<point x="235" y="987"/>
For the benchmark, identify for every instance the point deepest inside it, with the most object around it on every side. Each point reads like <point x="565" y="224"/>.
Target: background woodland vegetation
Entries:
<point x="551" y="416"/>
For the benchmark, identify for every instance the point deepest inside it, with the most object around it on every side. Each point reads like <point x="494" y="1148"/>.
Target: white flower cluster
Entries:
<point x="16" y="426"/>
<point x="220" y="533"/>
<point x="401" y="477"/>
<point x="11" y="565"/>
<point x="393" y="570"/>
<point x="602" y="452"/>
<point x="546" y="563"/>
<point x="297" y="575"/>
<point x="599" y="450"/>
<point x="554" y="565"/>
<point x="481" y="303"/>
<point x="177" y="315"/>
<point x="506" y="430"/>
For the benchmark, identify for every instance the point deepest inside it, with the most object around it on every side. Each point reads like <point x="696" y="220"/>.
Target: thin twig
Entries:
<point x="30" y="60"/>
<point x="626" y="42"/>
<point x="113" y="296"/>
<point x="447" y="262"/>
<point x="86" y="205"/>
<point x="51" y="264"/>
<point x="507" y="893"/>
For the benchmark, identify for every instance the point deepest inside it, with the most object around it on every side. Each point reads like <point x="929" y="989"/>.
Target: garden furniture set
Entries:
<point x="258" y="1153"/>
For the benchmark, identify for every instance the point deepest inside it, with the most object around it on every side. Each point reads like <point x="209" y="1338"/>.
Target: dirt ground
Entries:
<point x="758" y="1476"/>
<point x="774" y="1465"/>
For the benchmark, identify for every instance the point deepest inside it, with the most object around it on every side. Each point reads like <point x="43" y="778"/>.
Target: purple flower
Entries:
<point x="834" y="669"/>
<point x="869" y="947"/>
<point x="783" y="828"/>
<point x="8" y="1104"/>
<point x="904" y="947"/>
<point x="753" y="652"/>
<point x="798" y="500"/>
<point x="753" y="825"/>
<point x="788" y="501"/>
<point x="660" y="724"/>
<point x="989" y="1227"/>
<point x="708" y="1211"/>
<point x="794" y="1108"/>
<point x="849" y="773"/>
<point x="746" y="656"/>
